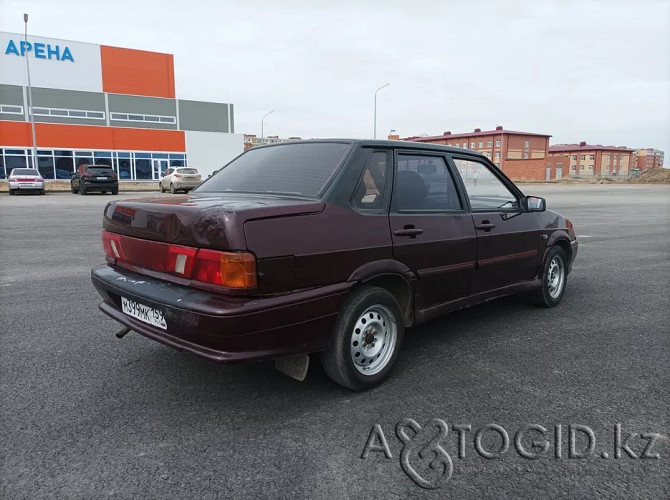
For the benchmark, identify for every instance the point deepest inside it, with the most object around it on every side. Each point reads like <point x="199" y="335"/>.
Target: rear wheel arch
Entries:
<point x="398" y="286"/>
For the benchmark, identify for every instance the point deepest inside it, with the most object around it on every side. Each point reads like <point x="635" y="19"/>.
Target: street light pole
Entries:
<point x="30" y="94"/>
<point x="262" y="124"/>
<point x="375" y="129"/>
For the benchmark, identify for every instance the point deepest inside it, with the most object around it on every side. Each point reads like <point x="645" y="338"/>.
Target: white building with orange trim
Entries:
<point x="100" y="104"/>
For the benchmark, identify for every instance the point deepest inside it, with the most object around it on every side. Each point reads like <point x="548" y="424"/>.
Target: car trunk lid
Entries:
<point x="212" y="221"/>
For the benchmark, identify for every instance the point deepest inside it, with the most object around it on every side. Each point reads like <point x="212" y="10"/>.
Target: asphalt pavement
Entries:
<point x="86" y="415"/>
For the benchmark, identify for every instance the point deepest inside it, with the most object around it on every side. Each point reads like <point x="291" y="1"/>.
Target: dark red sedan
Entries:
<point x="328" y="246"/>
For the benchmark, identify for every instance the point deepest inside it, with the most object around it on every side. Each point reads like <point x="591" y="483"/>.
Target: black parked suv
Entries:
<point x="89" y="178"/>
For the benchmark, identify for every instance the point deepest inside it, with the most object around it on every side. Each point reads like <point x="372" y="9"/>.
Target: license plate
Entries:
<point x="101" y="178"/>
<point x="144" y="313"/>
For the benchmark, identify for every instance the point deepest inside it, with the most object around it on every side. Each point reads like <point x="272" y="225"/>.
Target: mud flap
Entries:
<point x="295" y="366"/>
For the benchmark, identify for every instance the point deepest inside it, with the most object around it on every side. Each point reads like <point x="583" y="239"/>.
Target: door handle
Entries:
<point x="485" y="226"/>
<point x="409" y="231"/>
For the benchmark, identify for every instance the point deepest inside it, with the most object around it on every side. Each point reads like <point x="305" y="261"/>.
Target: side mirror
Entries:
<point x="535" y="204"/>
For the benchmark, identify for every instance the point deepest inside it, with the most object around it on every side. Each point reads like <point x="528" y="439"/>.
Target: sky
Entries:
<point x="597" y="71"/>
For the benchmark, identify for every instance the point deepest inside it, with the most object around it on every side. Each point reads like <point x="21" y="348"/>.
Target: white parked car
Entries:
<point x="180" y="179"/>
<point x="27" y="179"/>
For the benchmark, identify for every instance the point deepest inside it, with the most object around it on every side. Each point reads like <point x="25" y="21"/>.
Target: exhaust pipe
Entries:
<point x="122" y="332"/>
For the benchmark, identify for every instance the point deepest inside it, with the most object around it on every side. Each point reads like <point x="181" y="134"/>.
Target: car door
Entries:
<point x="431" y="230"/>
<point x="507" y="236"/>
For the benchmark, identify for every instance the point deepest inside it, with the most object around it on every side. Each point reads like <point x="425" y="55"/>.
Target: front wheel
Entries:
<point x="554" y="280"/>
<point x="82" y="189"/>
<point x="366" y="340"/>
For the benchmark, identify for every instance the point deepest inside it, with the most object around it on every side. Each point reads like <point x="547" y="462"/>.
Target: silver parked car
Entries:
<point x="180" y="179"/>
<point x="27" y="179"/>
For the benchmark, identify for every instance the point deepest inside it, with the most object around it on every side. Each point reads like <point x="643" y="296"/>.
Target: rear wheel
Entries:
<point x="104" y="191"/>
<point x="11" y="192"/>
<point x="42" y="191"/>
<point x="160" y="186"/>
<point x="172" y="189"/>
<point x="366" y="340"/>
<point x="115" y="191"/>
<point x="554" y="280"/>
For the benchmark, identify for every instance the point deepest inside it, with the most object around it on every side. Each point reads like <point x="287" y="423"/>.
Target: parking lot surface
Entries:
<point x="86" y="415"/>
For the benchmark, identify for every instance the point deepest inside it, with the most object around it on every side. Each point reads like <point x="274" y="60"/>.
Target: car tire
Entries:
<point x="115" y="191"/>
<point x="73" y="189"/>
<point x="554" y="280"/>
<point x="82" y="189"/>
<point x="160" y="186"/>
<point x="42" y="191"/>
<point x="11" y="192"/>
<point x="172" y="189"/>
<point x="104" y="191"/>
<point x="354" y="347"/>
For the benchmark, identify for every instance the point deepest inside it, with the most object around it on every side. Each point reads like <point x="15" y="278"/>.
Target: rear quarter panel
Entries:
<point x="323" y="248"/>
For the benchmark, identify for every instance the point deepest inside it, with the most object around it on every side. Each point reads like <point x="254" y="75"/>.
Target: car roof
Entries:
<point x="383" y="143"/>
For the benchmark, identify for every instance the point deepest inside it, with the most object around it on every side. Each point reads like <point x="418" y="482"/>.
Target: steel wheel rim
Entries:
<point x="555" y="277"/>
<point x="373" y="340"/>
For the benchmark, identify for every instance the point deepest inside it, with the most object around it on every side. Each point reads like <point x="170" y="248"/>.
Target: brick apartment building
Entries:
<point x="251" y="140"/>
<point x="647" y="158"/>
<point x="589" y="160"/>
<point x="521" y="155"/>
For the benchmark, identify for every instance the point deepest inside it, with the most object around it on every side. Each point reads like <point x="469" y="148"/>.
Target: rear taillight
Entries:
<point x="177" y="175"/>
<point x="111" y="242"/>
<point x="228" y="269"/>
<point x="113" y="174"/>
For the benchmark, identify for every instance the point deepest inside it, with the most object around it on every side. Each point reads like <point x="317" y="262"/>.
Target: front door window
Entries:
<point x="485" y="190"/>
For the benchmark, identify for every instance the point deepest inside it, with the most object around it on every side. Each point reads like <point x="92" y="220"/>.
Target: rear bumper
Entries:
<point x="26" y="185"/>
<point x="100" y="185"/>
<point x="223" y="328"/>
<point x="186" y="184"/>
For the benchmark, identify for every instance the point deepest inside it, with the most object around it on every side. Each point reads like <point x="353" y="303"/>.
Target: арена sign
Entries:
<point x="40" y="50"/>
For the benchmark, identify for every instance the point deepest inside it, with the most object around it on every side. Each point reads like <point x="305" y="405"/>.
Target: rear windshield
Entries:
<point x="187" y="171"/>
<point x="100" y="169"/>
<point x="24" y="171"/>
<point x="300" y="169"/>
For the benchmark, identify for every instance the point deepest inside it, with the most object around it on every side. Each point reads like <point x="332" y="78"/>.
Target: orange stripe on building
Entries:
<point x="15" y="134"/>
<point x="137" y="72"/>
<point x="56" y="135"/>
